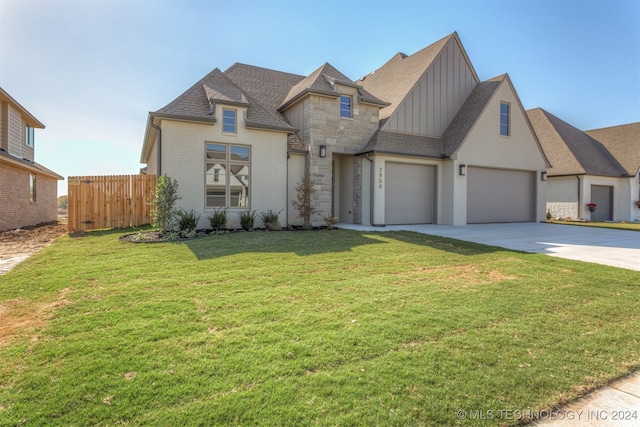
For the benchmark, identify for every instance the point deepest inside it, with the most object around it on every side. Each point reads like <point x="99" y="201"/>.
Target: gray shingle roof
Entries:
<point x="468" y="114"/>
<point x="265" y="89"/>
<point x="570" y="150"/>
<point x="453" y="137"/>
<point x="403" y="144"/>
<point x="239" y="85"/>
<point x="194" y="102"/>
<point x="623" y="142"/>
<point x="323" y="81"/>
<point x="395" y="79"/>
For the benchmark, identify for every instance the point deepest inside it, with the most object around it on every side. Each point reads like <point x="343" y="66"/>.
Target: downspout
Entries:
<point x="372" y="190"/>
<point x="286" y="204"/>
<point x="579" y="204"/>
<point x="159" y="140"/>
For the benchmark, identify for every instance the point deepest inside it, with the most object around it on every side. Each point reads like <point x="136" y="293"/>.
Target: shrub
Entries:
<point x="218" y="219"/>
<point x="271" y="220"/>
<point x="247" y="219"/>
<point x="330" y="221"/>
<point x="164" y="211"/>
<point x="187" y="221"/>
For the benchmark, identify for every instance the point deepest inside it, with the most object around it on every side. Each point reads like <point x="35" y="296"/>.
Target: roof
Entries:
<point x="409" y="144"/>
<point x="623" y="142"/>
<point x="265" y="89"/>
<point x="570" y="150"/>
<point x="32" y="166"/>
<point x="397" y="77"/>
<point x="386" y="142"/>
<point x="228" y="88"/>
<point x="322" y="81"/>
<point x="468" y="114"/>
<point x="27" y="116"/>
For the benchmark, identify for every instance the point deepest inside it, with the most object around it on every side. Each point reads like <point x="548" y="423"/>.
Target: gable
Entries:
<point x="484" y="146"/>
<point x="437" y="95"/>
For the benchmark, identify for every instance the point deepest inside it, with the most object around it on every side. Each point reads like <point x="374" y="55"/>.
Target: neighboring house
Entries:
<point x="420" y="140"/>
<point x="601" y="166"/>
<point x="28" y="190"/>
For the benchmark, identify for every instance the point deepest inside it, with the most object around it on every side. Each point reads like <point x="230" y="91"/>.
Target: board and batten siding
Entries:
<point x="437" y="96"/>
<point x="15" y="132"/>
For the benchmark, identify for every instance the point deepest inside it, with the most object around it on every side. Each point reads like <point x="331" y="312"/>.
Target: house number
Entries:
<point x="380" y="178"/>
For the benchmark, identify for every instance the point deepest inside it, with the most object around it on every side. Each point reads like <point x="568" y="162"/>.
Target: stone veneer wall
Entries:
<point x="324" y="126"/>
<point x="563" y="210"/>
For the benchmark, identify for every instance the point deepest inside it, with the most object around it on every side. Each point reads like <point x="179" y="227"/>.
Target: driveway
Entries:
<point x="617" y="248"/>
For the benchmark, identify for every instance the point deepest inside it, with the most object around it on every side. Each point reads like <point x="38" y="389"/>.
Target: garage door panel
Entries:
<point x="497" y="195"/>
<point x="409" y="194"/>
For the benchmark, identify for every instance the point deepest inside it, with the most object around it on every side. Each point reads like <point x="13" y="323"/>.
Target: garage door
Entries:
<point x="497" y="195"/>
<point x="409" y="194"/>
<point x="602" y="195"/>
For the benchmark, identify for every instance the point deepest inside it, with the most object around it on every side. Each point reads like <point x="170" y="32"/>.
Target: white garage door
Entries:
<point x="409" y="194"/>
<point x="497" y="195"/>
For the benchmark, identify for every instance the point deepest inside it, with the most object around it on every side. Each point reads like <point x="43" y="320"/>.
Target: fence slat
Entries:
<point x="109" y="201"/>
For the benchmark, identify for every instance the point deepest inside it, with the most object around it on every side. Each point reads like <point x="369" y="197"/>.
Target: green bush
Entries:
<point x="271" y="220"/>
<point x="164" y="210"/>
<point x="187" y="221"/>
<point x="218" y="219"/>
<point x="247" y="219"/>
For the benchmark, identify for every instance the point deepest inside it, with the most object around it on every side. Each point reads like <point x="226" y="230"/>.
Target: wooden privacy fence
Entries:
<point x="109" y="201"/>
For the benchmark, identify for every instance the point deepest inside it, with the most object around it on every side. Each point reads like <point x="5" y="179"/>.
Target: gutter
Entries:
<point x="372" y="190"/>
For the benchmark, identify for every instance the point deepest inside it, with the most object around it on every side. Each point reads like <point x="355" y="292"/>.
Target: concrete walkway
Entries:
<point x="615" y="405"/>
<point x="617" y="248"/>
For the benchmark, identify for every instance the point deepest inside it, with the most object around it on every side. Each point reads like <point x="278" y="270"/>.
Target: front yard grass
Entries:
<point x="633" y="226"/>
<point x="299" y="328"/>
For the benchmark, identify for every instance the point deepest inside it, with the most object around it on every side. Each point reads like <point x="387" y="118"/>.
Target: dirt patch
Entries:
<point x="18" y="245"/>
<point x="21" y="317"/>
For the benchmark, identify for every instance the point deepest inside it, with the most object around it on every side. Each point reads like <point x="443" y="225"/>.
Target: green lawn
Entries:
<point x="303" y="328"/>
<point x="633" y="226"/>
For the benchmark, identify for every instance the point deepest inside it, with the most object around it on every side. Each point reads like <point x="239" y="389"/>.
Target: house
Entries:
<point x="600" y="166"/>
<point x="419" y="140"/>
<point x="28" y="190"/>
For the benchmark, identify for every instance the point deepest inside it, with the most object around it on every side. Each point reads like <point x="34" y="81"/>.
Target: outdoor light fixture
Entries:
<point x="543" y="175"/>
<point x="323" y="151"/>
<point x="463" y="169"/>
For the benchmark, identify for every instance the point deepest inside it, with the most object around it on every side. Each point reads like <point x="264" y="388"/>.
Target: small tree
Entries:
<point x="164" y="211"/>
<point x="63" y="202"/>
<point x="302" y="202"/>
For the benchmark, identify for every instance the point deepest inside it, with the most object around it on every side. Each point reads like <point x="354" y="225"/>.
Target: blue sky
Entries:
<point x="92" y="70"/>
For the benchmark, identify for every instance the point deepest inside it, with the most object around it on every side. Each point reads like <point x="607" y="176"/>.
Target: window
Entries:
<point x="29" y="132"/>
<point x="228" y="121"/>
<point x="227" y="175"/>
<point x="32" y="187"/>
<point x="345" y="106"/>
<point x="504" y="119"/>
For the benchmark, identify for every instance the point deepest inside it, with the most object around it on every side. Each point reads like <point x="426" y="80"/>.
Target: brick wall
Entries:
<point x="16" y="208"/>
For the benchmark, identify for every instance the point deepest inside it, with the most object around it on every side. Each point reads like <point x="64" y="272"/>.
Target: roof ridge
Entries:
<point x="262" y="68"/>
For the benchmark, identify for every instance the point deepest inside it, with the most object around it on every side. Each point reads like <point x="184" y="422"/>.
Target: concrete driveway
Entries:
<point x="618" y="248"/>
